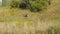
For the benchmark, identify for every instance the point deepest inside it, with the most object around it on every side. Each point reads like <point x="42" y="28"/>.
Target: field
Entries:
<point x="15" y="21"/>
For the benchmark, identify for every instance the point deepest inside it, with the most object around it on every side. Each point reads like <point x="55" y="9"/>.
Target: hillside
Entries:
<point x="14" y="20"/>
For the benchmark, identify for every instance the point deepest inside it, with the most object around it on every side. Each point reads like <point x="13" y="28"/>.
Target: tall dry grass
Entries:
<point x="25" y="28"/>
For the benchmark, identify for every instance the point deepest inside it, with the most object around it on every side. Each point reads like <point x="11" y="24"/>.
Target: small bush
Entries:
<point x="22" y="5"/>
<point x="55" y="30"/>
<point x="14" y="4"/>
<point x="38" y="5"/>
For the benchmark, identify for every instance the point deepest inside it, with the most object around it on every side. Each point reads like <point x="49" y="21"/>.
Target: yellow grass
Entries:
<point x="13" y="21"/>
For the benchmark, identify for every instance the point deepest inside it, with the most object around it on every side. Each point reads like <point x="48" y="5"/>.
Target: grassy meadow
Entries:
<point x="14" y="20"/>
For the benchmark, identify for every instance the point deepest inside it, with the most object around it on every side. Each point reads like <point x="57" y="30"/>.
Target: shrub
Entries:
<point x="55" y="30"/>
<point x="38" y="5"/>
<point x="14" y="4"/>
<point x="23" y="5"/>
<point x="33" y="5"/>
